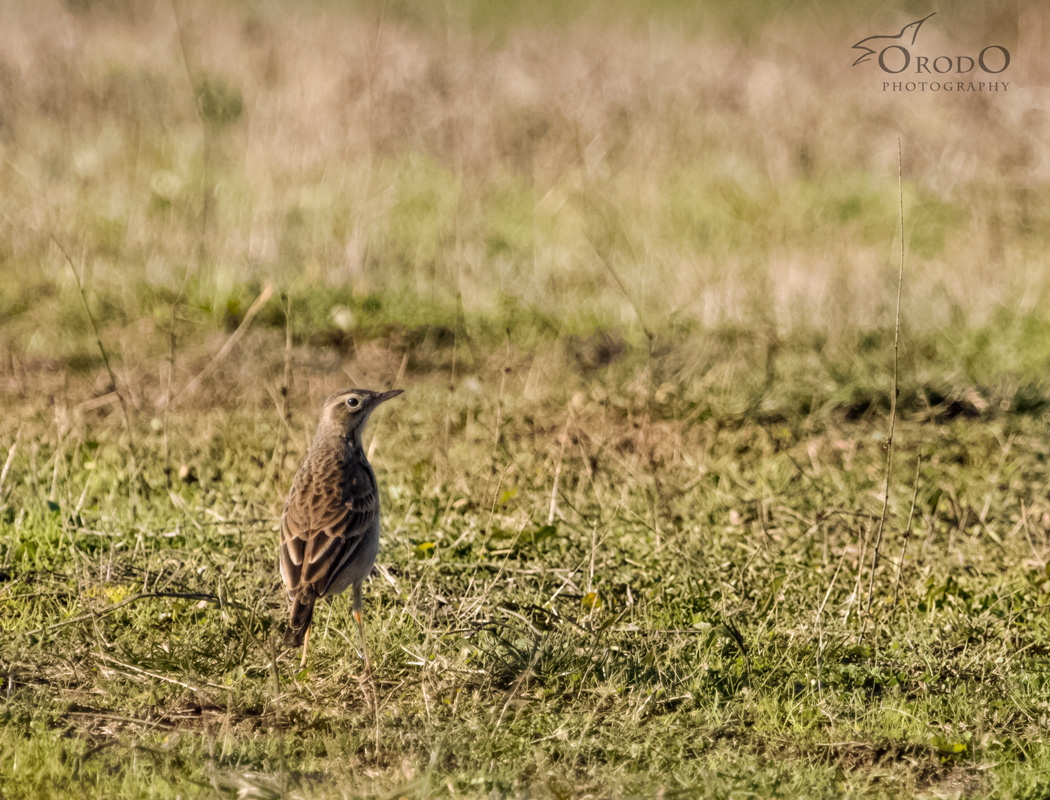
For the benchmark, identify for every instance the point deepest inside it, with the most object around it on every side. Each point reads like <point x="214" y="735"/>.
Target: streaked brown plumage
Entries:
<point x="330" y="524"/>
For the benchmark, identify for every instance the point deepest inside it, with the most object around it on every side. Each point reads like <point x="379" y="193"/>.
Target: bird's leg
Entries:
<point x="364" y="645"/>
<point x="361" y="629"/>
<point x="306" y="645"/>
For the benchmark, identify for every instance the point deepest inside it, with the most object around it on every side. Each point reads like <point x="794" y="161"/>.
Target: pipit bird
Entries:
<point x="330" y="524"/>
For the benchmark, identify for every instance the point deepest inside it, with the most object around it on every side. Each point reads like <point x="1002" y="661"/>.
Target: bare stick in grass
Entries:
<point x="195" y="78"/>
<point x="171" y="375"/>
<point x="820" y="623"/>
<point x="457" y="331"/>
<point x="498" y="437"/>
<point x="865" y="538"/>
<point x="284" y="407"/>
<point x="907" y="534"/>
<point x="286" y="383"/>
<point x="649" y="400"/>
<point x="377" y="426"/>
<point x="102" y="350"/>
<point x="10" y="460"/>
<point x="171" y="369"/>
<point x="557" y="470"/>
<point x="195" y="384"/>
<point x="893" y="395"/>
<point x="59" y="456"/>
<point x="1024" y="522"/>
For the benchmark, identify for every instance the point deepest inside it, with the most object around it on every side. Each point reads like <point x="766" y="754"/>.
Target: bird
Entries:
<point x="867" y="52"/>
<point x="330" y="521"/>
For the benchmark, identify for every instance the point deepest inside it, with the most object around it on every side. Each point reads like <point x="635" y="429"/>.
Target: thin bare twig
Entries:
<point x="284" y="406"/>
<point x="10" y="459"/>
<point x="377" y="426"/>
<point x="893" y="395"/>
<point x="865" y="538"/>
<point x="498" y="436"/>
<point x="907" y="533"/>
<point x="194" y="78"/>
<point x="167" y="390"/>
<point x="155" y="675"/>
<point x="192" y="387"/>
<point x="286" y="383"/>
<point x="820" y="625"/>
<point x="101" y="347"/>
<point x="557" y="471"/>
<point x="171" y="369"/>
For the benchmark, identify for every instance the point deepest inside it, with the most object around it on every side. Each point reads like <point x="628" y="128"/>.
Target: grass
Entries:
<point x="662" y="631"/>
<point x="639" y="282"/>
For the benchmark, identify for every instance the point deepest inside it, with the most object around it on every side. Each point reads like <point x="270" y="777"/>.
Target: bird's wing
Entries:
<point x="329" y="511"/>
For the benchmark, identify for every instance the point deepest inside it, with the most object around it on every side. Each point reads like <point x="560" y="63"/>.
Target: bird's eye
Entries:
<point x="353" y="402"/>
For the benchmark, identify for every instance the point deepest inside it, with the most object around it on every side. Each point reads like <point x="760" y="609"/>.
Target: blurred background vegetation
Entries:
<point x="703" y="172"/>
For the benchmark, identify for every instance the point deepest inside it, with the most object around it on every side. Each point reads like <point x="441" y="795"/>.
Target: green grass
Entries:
<point x="637" y="273"/>
<point x="661" y="632"/>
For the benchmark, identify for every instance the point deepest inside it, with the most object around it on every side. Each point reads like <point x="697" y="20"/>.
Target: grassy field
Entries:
<point x="637" y="270"/>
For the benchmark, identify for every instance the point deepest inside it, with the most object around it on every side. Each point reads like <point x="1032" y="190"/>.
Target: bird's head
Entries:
<point x="913" y="27"/>
<point x="345" y="413"/>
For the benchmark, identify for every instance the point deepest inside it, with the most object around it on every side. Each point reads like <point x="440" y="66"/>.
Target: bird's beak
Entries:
<point x="384" y="396"/>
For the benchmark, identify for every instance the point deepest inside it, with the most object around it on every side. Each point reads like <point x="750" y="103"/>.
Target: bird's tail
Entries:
<point x="299" y="621"/>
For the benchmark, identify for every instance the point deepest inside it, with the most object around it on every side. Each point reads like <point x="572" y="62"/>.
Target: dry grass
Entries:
<point x="730" y="179"/>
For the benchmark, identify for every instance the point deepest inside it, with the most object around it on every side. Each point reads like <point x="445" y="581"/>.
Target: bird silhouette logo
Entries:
<point x="868" y="46"/>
